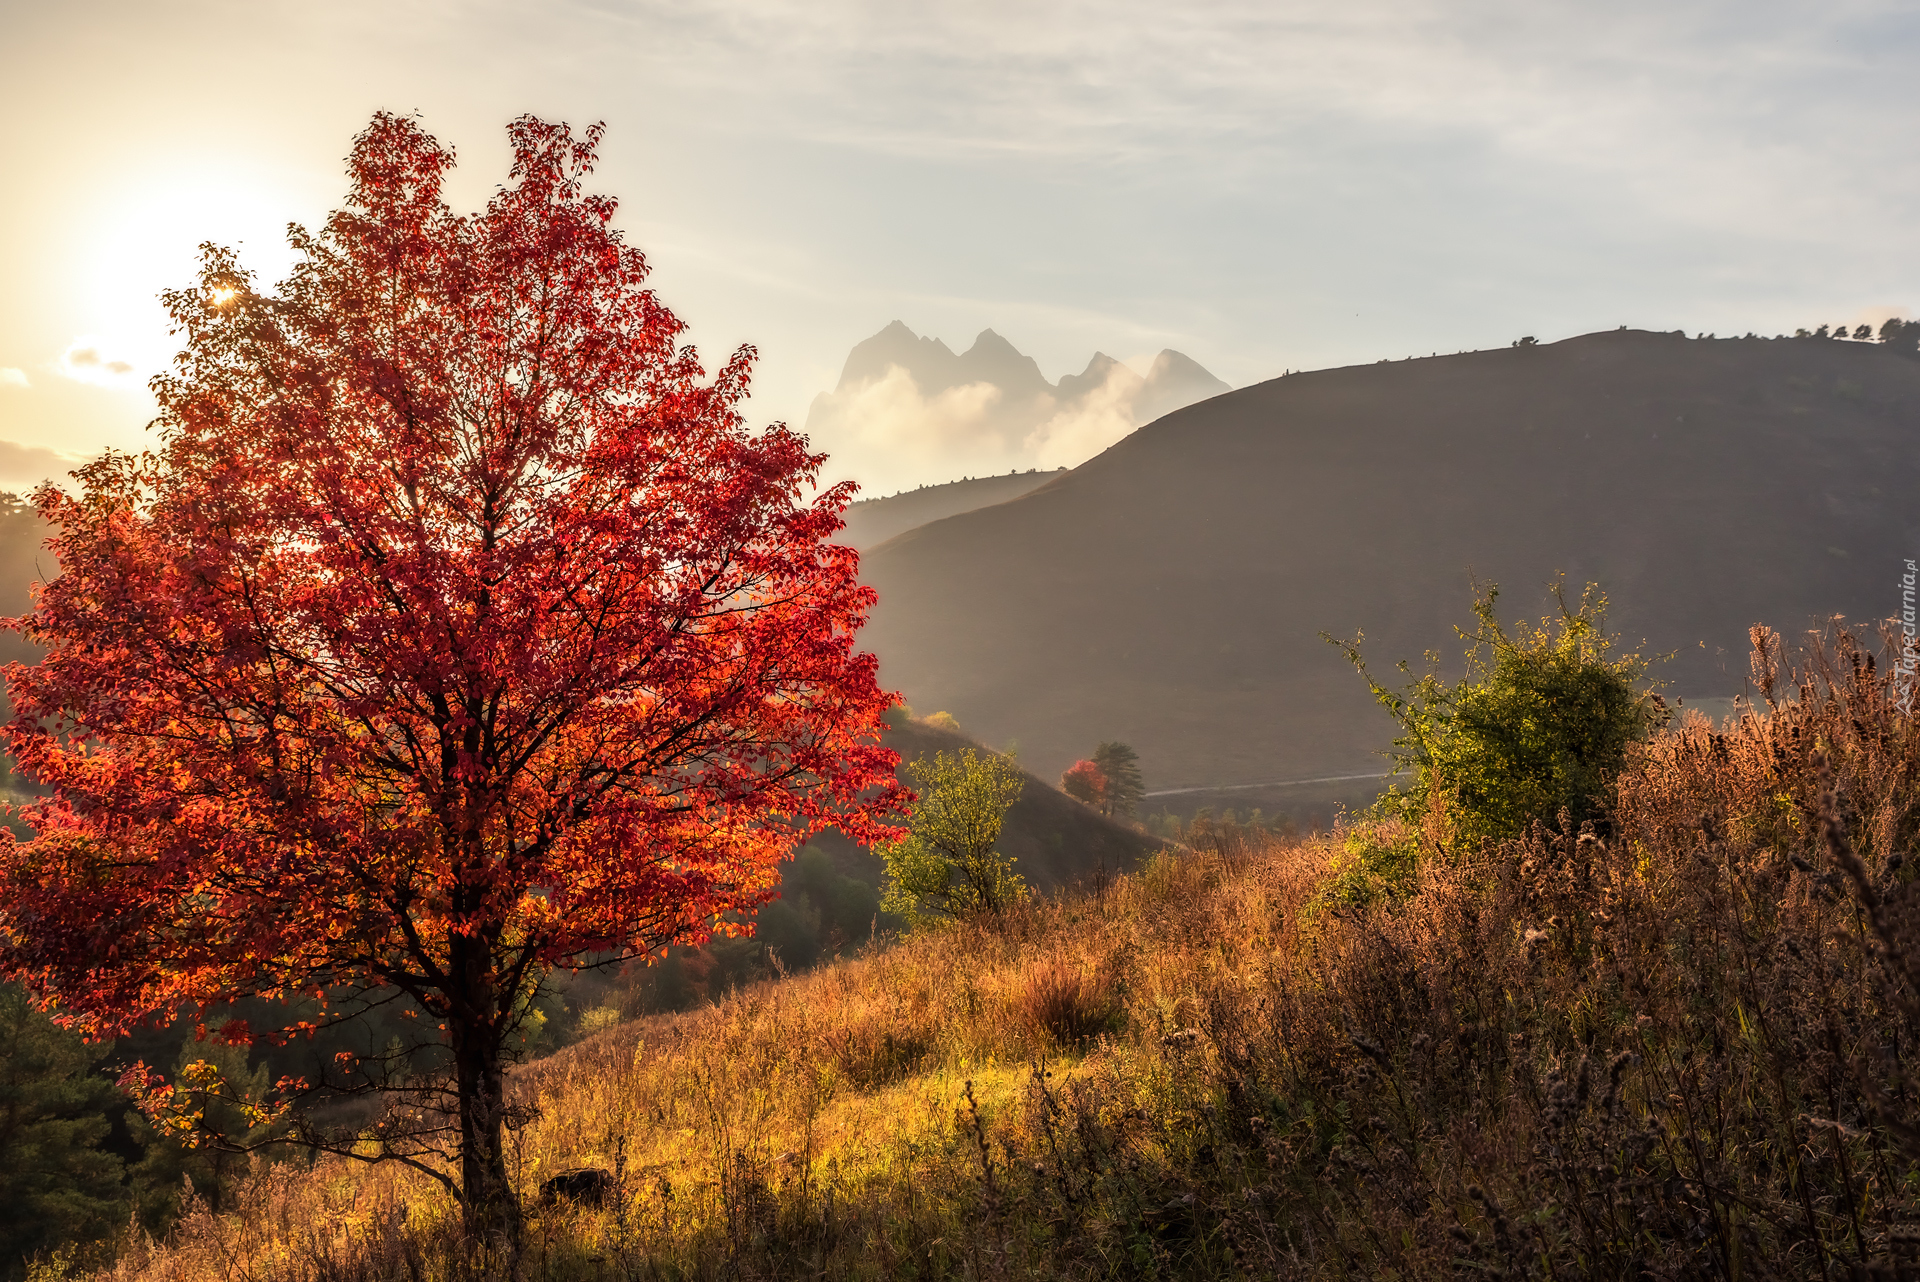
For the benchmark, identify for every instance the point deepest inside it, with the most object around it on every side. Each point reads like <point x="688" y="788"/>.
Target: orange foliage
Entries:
<point x="1084" y="781"/>
<point x="459" y="629"/>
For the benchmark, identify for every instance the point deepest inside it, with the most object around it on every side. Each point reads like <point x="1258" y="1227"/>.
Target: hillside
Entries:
<point x="1171" y="592"/>
<point x="1053" y="839"/>
<point x="23" y="562"/>
<point x="872" y="521"/>
<point x="1573" y="1058"/>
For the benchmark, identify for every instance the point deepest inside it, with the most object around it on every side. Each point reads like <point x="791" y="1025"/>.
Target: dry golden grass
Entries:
<point x="844" y="1091"/>
<point x="1682" y="1047"/>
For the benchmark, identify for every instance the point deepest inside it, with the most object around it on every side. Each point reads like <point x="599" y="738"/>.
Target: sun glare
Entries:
<point x="221" y="295"/>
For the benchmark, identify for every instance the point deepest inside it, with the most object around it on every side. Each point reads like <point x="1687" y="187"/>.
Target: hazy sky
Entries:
<point x="1261" y="186"/>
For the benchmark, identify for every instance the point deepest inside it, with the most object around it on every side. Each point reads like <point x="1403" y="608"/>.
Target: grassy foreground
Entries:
<point x="1684" y="1047"/>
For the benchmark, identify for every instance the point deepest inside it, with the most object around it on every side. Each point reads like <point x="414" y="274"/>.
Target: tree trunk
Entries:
<point x="489" y="1203"/>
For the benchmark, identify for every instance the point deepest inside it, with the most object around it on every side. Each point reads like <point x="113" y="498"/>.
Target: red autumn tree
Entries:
<point x="457" y="629"/>
<point x="1085" y="782"/>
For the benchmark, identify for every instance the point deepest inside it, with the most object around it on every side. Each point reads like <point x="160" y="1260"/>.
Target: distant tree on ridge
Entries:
<point x="1125" y="787"/>
<point x="1084" y="782"/>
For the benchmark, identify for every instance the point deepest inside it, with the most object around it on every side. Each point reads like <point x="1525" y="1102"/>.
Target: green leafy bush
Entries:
<point x="1539" y="725"/>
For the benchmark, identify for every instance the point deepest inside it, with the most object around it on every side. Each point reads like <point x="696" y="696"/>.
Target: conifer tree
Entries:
<point x="1125" y="786"/>
<point x="58" y="1181"/>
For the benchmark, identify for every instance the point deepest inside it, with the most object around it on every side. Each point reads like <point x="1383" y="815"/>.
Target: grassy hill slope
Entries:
<point x="1684" y="1055"/>
<point x="873" y="521"/>
<point x="1170" y="592"/>
<point x="829" y="901"/>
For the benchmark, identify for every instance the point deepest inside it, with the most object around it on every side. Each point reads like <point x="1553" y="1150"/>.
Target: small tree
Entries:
<point x="1125" y="787"/>
<point x="1084" y="782"/>
<point x="946" y="867"/>
<point x="1539" y="724"/>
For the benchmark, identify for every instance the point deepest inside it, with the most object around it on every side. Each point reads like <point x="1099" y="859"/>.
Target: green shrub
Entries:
<point x="1539" y="725"/>
<point x="1379" y="859"/>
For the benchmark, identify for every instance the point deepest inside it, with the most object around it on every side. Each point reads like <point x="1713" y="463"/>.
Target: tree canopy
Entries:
<point x="1085" y="783"/>
<point x="1119" y="765"/>
<point x="946" y="867"/>
<point x="457" y="628"/>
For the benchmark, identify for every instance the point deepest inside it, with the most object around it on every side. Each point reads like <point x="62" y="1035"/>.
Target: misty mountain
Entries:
<point x="1170" y="593"/>
<point x="991" y="359"/>
<point x="910" y="405"/>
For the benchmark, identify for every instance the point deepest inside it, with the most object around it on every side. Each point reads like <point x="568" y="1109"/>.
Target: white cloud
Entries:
<point x="10" y="377"/>
<point x="1693" y="113"/>
<point x="86" y="360"/>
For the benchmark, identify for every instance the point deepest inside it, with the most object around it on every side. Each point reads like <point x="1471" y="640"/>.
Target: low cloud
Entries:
<point x="909" y="411"/>
<point x="10" y="377"/>
<point x="892" y="434"/>
<point x="22" y="467"/>
<point x="899" y="432"/>
<point x="1081" y="429"/>
<point x="86" y="361"/>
